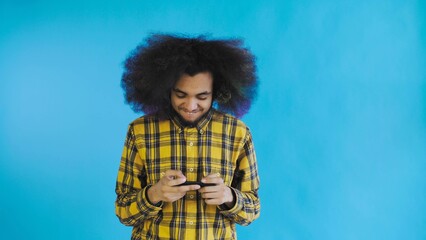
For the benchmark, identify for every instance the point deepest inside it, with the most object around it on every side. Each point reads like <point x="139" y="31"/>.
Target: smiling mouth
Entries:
<point x="190" y="113"/>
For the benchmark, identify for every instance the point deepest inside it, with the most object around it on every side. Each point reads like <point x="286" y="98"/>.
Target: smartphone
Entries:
<point x="201" y="184"/>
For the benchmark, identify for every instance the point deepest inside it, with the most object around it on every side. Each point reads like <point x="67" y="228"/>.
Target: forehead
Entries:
<point x="200" y="82"/>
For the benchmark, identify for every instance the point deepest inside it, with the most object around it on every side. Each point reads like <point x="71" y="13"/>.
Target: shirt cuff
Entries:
<point x="145" y="205"/>
<point x="239" y="201"/>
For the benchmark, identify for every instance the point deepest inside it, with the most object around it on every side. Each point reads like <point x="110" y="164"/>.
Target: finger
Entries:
<point x="172" y="174"/>
<point x="212" y="178"/>
<point x="165" y="181"/>
<point x="209" y="189"/>
<point x="212" y="201"/>
<point x="181" y="189"/>
<point x="212" y="195"/>
<point x="177" y="181"/>
<point x="175" y="188"/>
<point x="208" y="195"/>
<point x="212" y="175"/>
<point x="188" y="188"/>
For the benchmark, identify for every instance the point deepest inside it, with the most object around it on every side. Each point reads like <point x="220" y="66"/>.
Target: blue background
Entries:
<point x="339" y="124"/>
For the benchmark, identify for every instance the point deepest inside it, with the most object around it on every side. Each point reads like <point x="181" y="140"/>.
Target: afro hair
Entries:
<point x="154" y="67"/>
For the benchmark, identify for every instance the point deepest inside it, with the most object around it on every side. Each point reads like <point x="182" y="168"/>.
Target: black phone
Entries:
<point x="201" y="184"/>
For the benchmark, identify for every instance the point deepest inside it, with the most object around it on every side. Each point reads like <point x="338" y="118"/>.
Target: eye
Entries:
<point x="180" y="95"/>
<point x="203" y="97"/>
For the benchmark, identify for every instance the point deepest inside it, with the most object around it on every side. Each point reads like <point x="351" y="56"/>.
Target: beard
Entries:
<point x="187" y="123"/>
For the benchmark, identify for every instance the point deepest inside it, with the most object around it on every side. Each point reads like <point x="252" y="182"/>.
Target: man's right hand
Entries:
<point x="166" y="190"/>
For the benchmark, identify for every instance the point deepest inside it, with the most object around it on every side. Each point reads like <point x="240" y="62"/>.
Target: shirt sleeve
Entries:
<point x="132" y="205"/>
<point x="245" y="186"/>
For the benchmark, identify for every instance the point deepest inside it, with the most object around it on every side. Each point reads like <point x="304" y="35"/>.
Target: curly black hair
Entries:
<point x="153" y="68"/>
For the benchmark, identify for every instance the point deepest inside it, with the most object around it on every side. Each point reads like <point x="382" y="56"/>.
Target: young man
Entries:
<point x="188" y="168"/>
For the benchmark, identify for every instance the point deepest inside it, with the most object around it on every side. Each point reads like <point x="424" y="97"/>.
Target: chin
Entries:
<point x="191" y="120"/>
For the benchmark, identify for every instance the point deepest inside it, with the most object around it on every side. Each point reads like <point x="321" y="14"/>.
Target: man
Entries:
<point x="188" y="168"/>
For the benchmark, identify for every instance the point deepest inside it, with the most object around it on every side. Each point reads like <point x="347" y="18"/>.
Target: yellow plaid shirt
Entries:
<point x="219" y="143"/>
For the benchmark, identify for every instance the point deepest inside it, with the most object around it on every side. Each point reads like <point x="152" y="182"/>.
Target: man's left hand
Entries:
<point x="218" y="194"/>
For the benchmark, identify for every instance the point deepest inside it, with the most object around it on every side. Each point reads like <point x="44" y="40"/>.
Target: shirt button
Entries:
<point x="191" y="222"/>
<point x="191" y="169"/>
<point x="191" y="144"/>
<point x="201" y="131"/>
<point x="191" y="196"/>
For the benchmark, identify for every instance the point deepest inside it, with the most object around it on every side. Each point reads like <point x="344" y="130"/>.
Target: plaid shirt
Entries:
<point x="219" y="143"/>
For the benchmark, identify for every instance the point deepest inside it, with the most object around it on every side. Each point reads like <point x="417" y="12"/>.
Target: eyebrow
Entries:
<point x="198" y="94"/>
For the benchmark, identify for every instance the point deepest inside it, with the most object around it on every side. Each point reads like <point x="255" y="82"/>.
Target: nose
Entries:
<point x="192" y="104"/>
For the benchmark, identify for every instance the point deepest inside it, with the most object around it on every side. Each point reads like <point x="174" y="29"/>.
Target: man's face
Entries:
<point x="191" y="97"/>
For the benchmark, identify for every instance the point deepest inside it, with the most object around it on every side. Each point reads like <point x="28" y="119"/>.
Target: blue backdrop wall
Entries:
<point x="339" y="124"/>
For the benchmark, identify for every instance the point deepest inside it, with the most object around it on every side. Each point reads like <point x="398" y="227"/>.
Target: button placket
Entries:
<point x="192" y="153"/>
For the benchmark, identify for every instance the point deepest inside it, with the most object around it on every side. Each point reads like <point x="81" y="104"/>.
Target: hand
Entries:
<point x="218" y="194"/>
<point x="165" y="190"/>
